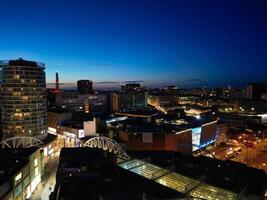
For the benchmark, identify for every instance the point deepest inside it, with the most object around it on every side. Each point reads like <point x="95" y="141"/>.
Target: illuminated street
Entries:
<point x="252" y="156"/>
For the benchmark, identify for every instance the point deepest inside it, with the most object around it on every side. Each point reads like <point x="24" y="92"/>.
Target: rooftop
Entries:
<point x="178" y="182"/>
<point x="163" y="123"/>
<point x="21" y="62"/>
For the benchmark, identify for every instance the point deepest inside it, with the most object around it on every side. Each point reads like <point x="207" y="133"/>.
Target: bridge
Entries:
<point x="20" y="142"/>
<point x="109" y="145"/>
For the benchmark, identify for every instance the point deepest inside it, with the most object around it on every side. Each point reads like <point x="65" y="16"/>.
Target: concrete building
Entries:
<point x="23" y="98"/>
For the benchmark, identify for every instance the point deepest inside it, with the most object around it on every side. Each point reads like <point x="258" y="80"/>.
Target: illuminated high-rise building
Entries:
<point x="22" y="98"/>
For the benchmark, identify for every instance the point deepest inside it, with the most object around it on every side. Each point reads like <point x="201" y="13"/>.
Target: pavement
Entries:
<point x="48" y="182"/>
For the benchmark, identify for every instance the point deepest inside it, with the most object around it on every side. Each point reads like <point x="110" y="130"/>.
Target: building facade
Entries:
<point x="22" y="171"/>
<point x="131" y="98"/>
<point x="255" y="90"/>
<point x="23" y="98"/>
<point x="85" y="86"/>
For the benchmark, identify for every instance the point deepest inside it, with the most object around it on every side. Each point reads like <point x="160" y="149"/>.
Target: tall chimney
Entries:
<point x="57" y="83"/>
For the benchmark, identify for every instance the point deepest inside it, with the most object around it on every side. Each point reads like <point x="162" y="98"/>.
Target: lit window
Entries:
<point x="36" y="171"/>
<point x="35" y="162"/>
<point x="18" y="177"/>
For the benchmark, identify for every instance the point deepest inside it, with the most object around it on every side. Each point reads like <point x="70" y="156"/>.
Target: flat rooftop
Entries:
<point x="164" y="123"/>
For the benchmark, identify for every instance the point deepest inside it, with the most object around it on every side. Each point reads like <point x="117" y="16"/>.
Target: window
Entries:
<point x="18" y="177"/>
<point x="36" y="171"/>
<point x="35" y="162"/>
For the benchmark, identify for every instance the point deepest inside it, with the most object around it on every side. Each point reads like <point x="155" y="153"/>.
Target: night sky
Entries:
<point x="155" y="42"/>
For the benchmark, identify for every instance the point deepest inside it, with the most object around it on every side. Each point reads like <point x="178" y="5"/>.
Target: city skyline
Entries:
<point x="133" y="99"/>
<point x="156" y="43"/>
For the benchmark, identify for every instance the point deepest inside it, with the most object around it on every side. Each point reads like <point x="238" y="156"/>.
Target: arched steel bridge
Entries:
<point x="20" y="142"/>
<point x="107" y="144"/>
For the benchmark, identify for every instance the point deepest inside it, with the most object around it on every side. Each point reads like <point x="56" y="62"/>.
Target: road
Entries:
<point x="252" y="156"/>
<point x="47" y="185"/>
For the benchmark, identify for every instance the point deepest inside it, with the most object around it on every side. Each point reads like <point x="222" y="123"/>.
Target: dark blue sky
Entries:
<point x="156" y="41"/>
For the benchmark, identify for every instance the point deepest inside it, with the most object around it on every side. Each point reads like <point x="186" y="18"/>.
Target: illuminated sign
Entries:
<point x="81" y="133"/>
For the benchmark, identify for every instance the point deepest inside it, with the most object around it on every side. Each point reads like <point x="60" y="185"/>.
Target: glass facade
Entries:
<point x="132" y="101"/>
<point x="22" y="98"/>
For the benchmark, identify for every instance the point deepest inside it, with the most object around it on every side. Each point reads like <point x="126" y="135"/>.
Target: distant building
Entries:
<point x="170" y="89"/>
<point x="131" y="98"/>
<point x="158" y="101"/>
<point x="185" y="135"/>
<point x="23" y="98"/>
<point x="237" y="94"/>
<point x="85" y="86"/>
<point x="96" y="103"/>
<point x="255" y="90"/>
<point x="114" y="101"/>
<point x="131" y="87"/>
<point x="264" y="97"/>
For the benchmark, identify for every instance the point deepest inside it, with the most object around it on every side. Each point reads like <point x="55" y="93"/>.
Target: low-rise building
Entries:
<point x="187" y="134"/>
<point x="21" y="171"/>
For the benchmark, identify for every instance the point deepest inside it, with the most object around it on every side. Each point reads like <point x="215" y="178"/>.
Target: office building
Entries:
<point x="23" y="98"/>
<point x="85" y="86"/>
<point x="254" y="91"/>
<point x="132" y="98"/>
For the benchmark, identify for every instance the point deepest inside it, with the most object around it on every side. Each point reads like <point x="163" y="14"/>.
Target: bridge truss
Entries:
<point x="20" y="142"/>
<point x="107" y="144"/>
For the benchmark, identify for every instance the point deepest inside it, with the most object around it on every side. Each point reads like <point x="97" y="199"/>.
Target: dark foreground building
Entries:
<point x="86" y="173"/>
<point x="21" y="171"/>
